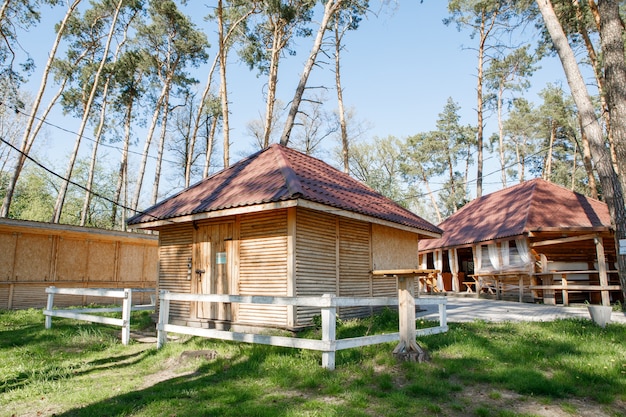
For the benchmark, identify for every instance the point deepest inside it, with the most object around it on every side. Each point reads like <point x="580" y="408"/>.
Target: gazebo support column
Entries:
<point x="604" y="281"/>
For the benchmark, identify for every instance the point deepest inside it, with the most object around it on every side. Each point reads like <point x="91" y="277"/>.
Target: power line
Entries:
<point x="74" y="183"/>
<point x="63" y="129"/>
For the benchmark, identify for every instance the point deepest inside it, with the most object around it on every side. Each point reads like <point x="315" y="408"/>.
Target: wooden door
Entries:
<point x="212" y="267"/>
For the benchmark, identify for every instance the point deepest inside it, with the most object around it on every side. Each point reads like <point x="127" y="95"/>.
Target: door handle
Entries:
<point x="200" y="271"/>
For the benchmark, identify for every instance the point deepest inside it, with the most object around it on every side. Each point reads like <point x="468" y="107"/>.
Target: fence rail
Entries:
<point x="328" y="304"/>
<point x="84" y="313"/>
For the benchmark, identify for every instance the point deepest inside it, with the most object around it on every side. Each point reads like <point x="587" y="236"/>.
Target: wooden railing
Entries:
<point x="328" y="304"/>
<point x="85" y="313"/>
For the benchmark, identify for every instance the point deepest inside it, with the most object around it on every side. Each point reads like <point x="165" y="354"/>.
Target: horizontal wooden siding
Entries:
<point x="263" y="266"/>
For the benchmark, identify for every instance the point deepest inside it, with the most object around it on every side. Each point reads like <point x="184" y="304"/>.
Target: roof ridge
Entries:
<point x="292" y="182"/>
<point x="534" y="183"/>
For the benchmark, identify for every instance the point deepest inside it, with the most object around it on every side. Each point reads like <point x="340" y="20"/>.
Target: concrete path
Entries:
<point x="462" y="309"/>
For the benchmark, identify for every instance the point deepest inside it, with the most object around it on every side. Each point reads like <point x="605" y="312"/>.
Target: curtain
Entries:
<point x="504" y="252"/>
<point x="424" y="261"/>
<point x="494" y="257"/>
<point x="454" y="268"/>
<point x="478" y="256"/>
<point x="439" y="266"/>
<point x="524" y="252"/>
<point x="522" y="249"/>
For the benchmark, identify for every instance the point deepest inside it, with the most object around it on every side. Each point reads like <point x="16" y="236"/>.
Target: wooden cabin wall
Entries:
<point x="316" y="259"/>
<point x="36" y="255"/>
<point x="175" y="253"/>
<point x="262" y="266"/>
<point x="355" y="279"/>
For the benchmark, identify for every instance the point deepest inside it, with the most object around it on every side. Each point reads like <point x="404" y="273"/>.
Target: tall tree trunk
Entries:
<point x="94" y="157"/>
<point x="593" y="60"/>
<point x="203" y="100"/>
<point x="501" y="135"/>
<point x="611" y="185"/>
<point x="547" y="169"/>
<point x="345" y="146"/>
<point x="27" y="138"/>
<point x="612" y="41"/>
<point x="591" y="178"/>
<point x="58" y="206"/>
<point x="122" y="178"/>
<point x="160" y="103"/>
<point x="161" y="148"/>
<point x="271" y="88"/>
<point x="223" y="86"/>
<point x="210" y="140"/>
<point x="479" y="110"/>
<point x="331" y="7"/>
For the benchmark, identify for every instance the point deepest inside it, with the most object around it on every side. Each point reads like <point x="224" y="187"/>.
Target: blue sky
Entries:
<point x="399" y="69"/>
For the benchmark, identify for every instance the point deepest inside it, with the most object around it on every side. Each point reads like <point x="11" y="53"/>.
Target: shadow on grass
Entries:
<point x="227" y="387"/>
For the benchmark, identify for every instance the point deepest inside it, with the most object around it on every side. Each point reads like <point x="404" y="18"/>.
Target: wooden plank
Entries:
<point x="577" y="287"/>
<point x="390" y="272"/>
<point x="562" y="240"/>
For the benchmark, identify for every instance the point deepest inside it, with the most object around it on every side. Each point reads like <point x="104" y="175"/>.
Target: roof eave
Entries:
<point x="155" y="224"/>
<point x="299" y="202"/>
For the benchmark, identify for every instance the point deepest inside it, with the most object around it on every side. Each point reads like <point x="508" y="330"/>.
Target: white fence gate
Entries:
<point x="125" y="294"/>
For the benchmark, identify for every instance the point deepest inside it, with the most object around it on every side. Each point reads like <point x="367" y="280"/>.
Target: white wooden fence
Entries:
<point x="328" y="304"/>
<point x="83" y="313"/>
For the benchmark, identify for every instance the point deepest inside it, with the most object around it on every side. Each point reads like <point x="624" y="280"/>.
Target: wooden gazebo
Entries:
<point x="534" y="241"/>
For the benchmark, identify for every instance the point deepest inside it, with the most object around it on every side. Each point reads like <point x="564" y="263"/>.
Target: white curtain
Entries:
<point x="504" y="252"/>
<point x="478" y="257"/>
<point x="439" y="267"/>
<point x="523" y="249"/>
<point x="424" y="261"/>
<point x="454" y="268"/>
<point x="494" y="257"/>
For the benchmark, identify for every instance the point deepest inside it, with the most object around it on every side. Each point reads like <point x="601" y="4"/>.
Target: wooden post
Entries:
<point x="564" y="291"/>
<point x="164" y="314"/>
<point x="408" y="349"/>
<point x="49" y="306"/>
<point x="126" y="305"/>
<point x="329" y="332"/>
<point x="604" y="281"/>
<point x="548" y="295"/>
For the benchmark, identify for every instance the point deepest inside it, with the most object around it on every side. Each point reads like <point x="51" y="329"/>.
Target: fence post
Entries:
<point x="126" y="305"/>
<point x="329" y="332"/>
<point x="49" y="306"/>
<point x="443" y="316"/>
<point x="164" y="314"/>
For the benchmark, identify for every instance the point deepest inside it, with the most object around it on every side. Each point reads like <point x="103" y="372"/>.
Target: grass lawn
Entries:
<point x="562" y="368"/>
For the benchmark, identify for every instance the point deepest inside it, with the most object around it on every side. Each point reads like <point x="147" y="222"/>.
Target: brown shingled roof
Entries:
<point x="279" y="174"/>
<point x="532" y="206"/>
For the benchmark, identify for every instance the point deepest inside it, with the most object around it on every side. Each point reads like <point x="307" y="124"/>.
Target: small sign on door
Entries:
<point x="220" y="258"/>
<point x="622" y="246"/>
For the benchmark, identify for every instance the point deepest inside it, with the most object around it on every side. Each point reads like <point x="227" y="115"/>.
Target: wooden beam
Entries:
<point x="606" y="301"/>
<point x="563" y="240"/>
<point x="577" y="287"/>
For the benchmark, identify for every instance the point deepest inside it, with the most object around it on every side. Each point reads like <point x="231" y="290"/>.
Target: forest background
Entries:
<point x="422" y="83"/>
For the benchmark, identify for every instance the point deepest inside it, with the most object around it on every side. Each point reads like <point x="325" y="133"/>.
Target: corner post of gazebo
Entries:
<point x="602" y="272"/>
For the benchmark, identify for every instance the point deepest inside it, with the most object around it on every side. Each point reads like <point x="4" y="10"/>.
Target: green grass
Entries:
<point x="477" y="369"/>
